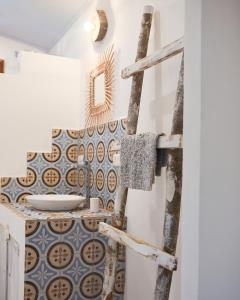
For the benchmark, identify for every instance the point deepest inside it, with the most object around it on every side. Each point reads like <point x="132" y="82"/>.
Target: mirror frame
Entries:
<point x="101" y="113"/>
<point x="100" y="70"/>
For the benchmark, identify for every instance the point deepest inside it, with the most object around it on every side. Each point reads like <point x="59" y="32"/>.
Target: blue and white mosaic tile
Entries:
<point x="96" y="146"/>
<point x="65" y="258"/>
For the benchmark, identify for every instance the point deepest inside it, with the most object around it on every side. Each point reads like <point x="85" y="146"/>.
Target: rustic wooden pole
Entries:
<point x="174" y="191"/>
<point x="132" y="121"/>
<point x="134" y="104"/>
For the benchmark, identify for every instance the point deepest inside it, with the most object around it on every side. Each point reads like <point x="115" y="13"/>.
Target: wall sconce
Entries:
<point x="98" y="26"/>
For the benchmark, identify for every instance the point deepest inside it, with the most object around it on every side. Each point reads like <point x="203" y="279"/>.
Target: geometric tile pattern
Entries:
<point x="54" y="172"/>
<point x="64" y="259"/>
<point x="57" y="172"/>
<point x="96" y="146"/>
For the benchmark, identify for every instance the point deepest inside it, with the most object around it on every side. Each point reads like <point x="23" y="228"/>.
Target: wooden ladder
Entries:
<point x="164" y="257"/>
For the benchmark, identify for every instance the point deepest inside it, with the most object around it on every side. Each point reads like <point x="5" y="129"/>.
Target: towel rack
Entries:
<point x="164" y="142"/>
<point x="164" y="257"/>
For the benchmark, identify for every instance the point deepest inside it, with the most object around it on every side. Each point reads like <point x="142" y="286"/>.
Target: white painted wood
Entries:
<point x="148" y="9"/>
<point x="132" y="120"/>
<point x="109" y="273"/>
<point x="173" y="195"/>
<point x="16" y="229"/>
<point x="116" y="146"/>
<point x="170" y="142"/>
<point x="163" y="259"/>
<point x="164" y="142"/>
<point x="13" y="269"/>
<point x="116" y="159"/>
<point x="154" y="59"/>
<point x="4" y="236"/>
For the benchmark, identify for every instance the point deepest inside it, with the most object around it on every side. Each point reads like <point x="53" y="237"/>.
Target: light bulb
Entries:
<point x="88" y="26"/>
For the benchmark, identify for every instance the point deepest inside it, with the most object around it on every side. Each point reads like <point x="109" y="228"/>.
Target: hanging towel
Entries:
<point x="138" y="160"/>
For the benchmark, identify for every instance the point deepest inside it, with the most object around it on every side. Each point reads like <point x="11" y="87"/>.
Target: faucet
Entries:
<point x="87" y="166"/>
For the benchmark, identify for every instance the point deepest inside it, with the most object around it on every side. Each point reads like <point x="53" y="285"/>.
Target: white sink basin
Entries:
<point x="55" y="202"/>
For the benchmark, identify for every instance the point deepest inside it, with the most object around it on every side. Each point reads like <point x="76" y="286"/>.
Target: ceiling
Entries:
<point x="38" y="22"/>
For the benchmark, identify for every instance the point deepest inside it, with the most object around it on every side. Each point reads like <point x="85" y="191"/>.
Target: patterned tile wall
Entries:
<point x="57" y="172"/>
<point x="65" y="259"/>
<point x="96" y="144"/>
<point x="54" y="172"/>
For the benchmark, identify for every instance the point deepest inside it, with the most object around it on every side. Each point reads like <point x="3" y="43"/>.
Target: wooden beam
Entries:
<point x="170" y="142"/>
<point x="154" y="59"/>
<point x="173" y="195"/>
<point x="163" y="259"/>
<point x="131" y="128"/>
<point x="164" y="142"/>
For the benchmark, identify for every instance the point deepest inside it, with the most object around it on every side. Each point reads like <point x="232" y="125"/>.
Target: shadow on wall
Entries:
<point x="163" y="104"/>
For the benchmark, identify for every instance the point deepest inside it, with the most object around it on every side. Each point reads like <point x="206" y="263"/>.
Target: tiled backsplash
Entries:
<point x="57" y="172"/>
<point x="54" y="172"/>
<point x="96" y="145"/>
<point x="65" y="259"/>
<point x="78" y="269"/>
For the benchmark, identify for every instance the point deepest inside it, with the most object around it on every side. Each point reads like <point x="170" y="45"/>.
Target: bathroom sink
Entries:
<point x="56" y="202"/>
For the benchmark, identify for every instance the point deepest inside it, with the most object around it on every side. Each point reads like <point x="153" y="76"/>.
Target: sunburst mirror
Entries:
<point x="100" y="90"/>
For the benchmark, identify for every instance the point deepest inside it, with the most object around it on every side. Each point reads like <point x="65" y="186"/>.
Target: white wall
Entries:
<point x="45" y="95"/>
<point x="39" y="63"/>
<point x="144" y="210"/>
<point x="211" y="175"/>
<point x="8" y="51"/>
<point x="219" y="242"/>
<point x="191" y="154"/>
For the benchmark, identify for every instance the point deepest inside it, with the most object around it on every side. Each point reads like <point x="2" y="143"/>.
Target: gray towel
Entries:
<point x="138" y="160"/>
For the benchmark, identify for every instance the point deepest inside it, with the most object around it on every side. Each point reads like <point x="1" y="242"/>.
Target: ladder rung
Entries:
<point x="162" y="258"/>
<point x="164" y="142"/>
<point x="157" y="57"/>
